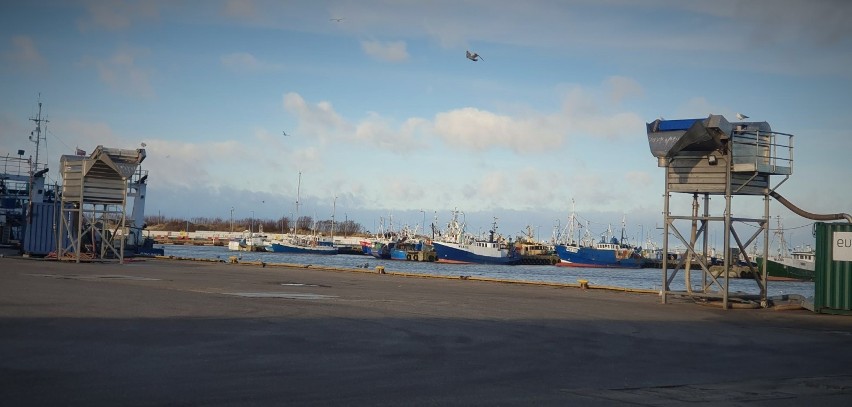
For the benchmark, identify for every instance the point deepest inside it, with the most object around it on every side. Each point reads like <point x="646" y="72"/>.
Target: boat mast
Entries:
<point x="572" y="226"/>
<point x="37" y="134"/>
<point x="783" y="250"/>
<point x="298" y="191"/>
<point x="333" y="210"/>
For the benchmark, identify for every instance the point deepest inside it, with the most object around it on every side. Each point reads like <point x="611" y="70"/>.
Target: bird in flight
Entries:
<point x="741" y="116"/>
<point x="473" y="56"/>
<point x="335" y="19"/>
<point x="285" y="134"/>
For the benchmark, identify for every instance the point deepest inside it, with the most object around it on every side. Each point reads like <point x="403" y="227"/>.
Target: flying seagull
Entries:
<point x="285" y="134"/>
<point x="473" y="56"/>
<point x="741" y="116"/>
<point x="335" y="19"/>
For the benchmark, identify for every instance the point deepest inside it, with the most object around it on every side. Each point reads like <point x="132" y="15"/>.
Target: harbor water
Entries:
<point x="646" y="279"/>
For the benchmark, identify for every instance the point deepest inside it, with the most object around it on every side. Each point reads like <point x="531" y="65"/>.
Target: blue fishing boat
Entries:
<point x="457" y="247"/>
<point x="302" y="244"/>
<point x="366" y="247"/>
<point x="402" y="250"/>
<point x="382" y="249"/>
<point x="606" y="253"/>
<point x="602" y="254"/>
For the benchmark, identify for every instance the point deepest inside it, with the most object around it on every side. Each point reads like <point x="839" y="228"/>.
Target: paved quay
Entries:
<point x="163" y="332"/>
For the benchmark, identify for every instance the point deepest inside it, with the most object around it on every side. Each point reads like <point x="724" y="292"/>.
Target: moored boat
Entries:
<point x="788" y="264"/>
<point x="798" y="265"/>
<point x="252" y="242"/>
<point x="606" y="253"/>
<point x="599" y="255"/>
<point x="458" y="247"/>
<point x="366" y="247"/>
<point x="303" y="245"/>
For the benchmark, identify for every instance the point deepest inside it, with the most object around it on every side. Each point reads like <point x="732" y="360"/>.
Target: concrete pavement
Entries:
<point x="189" y="333"/>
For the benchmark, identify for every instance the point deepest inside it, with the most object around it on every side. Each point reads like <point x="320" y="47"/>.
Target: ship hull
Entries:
<point x="776" y="270"/>
<point x="289" y="248"/>
<point x="454" y="253"/>
<point x="570" y="256"/>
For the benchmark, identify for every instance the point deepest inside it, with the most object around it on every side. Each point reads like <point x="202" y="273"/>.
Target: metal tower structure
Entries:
<point x="704" y="157"/>
<point x="94" y="200"/>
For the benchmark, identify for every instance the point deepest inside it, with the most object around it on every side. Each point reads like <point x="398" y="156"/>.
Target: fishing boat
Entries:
<point x="599" y="255"/>
<point x="787" y="264"/>
<point x="249" y="242"/>
<point x="382" y="249"/>
<point x="455" y="246"/>
<point x="294" y="243"/>
<point x="408" y="246"/>
<point x="300" y="244"/>
<point x="608" y="252"/>
<point x="366" y="247"/>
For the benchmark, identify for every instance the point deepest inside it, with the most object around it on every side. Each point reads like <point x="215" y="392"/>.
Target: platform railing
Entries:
<point x="766" y="151"/>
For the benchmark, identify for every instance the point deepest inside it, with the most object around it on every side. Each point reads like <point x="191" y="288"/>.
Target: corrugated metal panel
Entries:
<point x="695" y="174"/>
<point x="833" y="272"/>
<point x="40" y="236"/>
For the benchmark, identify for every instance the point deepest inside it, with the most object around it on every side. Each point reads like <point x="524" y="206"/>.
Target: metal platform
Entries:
<point x="94" y="199"/>
<point x="713" y="156"/>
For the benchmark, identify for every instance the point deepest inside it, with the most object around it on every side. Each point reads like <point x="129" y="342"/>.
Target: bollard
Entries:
<point x="380" y="269"/>
<point x="583" y="284"/>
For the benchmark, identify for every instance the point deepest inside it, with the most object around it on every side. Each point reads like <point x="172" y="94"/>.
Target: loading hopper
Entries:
<point x="667" y="138"/>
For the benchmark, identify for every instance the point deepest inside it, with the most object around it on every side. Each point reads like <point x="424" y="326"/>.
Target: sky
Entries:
<point x="388" y="122"/>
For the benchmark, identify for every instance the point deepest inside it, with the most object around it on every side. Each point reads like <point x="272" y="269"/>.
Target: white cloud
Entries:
<point x="380" y="133"/>
<point x="307" y="159"/>
<point x="403" y="188"/>
<point x="480" y="130"/>
<point x="587" y="113"/>
<point x="247" y="63"/>
<point x="122" y="73"/>
<point x="387" y="51"/>
<point x="640" y="179"/>
<point x="621" y="88"/>
<point x="24" y="54"/>
<point x="319" y="120"/>
<point x="241" y="9"/>
<point x="114" y="15"/>
<point x="490" y="190"/>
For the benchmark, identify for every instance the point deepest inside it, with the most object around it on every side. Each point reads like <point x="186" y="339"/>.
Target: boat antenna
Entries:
<point x="36" y="135"/>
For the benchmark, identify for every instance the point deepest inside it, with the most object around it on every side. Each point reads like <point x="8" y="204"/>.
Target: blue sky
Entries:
<point x="386" y="114"/>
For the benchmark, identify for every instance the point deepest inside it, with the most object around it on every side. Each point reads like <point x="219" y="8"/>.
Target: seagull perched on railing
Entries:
<point x="473" y="56"/>
<point x="741" y="116"/>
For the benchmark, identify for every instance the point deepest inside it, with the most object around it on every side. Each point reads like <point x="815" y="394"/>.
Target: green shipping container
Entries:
<point x="833" y="268"/>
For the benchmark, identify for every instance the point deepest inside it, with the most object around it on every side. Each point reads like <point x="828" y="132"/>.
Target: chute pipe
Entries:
<point x="805" y="214"/>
